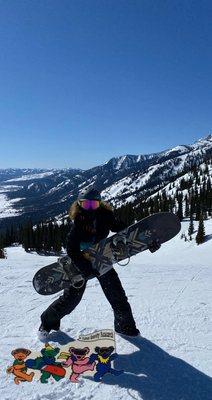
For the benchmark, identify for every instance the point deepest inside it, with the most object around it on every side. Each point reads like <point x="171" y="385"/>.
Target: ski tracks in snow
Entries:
<point x="185" y="287"/>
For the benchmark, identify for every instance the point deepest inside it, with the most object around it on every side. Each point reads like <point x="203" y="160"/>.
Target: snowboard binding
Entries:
<point x="120" y="249"/>
<point x="73" y="274"/>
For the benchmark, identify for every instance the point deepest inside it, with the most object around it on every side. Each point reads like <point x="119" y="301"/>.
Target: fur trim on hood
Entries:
<point x="75" y="209"/>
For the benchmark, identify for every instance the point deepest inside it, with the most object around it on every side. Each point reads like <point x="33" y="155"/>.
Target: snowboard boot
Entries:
<point x="127" y="330"/>
<point x="43" y="334"/>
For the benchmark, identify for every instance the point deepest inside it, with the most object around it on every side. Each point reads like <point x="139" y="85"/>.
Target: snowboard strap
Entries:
<point x="123" y="251"/>
<point x="123" y="265"/>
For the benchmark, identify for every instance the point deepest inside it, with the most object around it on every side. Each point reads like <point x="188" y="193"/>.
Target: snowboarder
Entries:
<point x="92" y="219"/>
<point x="2" y="253"/>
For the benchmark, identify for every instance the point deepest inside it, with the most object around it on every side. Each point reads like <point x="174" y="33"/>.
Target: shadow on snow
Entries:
<point x="207" y="238"/>
<point x="156" y="375"/>
<point x="60" y="337"/>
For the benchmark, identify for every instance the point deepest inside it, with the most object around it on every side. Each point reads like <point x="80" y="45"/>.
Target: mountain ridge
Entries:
<point x="43" y="194"/>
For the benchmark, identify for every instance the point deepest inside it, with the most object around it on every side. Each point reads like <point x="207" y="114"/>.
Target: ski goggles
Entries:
<point x="89" y="204"/>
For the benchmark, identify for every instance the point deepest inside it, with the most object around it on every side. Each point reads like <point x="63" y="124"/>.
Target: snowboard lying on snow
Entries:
<point x="91" y="356"/>
<point x="63" y="273"/>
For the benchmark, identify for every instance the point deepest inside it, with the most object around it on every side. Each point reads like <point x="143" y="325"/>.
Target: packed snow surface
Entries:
<point x="170" y="294"/>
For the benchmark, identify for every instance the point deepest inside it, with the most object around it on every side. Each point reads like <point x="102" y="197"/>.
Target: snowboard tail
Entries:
<point x="58" y="276"/>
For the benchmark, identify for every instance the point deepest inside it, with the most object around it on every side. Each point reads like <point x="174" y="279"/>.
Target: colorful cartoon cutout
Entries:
<point x="91" y="355"/>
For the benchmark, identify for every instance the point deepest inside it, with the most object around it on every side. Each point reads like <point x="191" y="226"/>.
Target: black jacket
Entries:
<point x="90" y="227"/>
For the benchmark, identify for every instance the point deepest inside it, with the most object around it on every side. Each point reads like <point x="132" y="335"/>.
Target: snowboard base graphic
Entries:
<point x="60" y="275"/>
<point x="90" y="355"/>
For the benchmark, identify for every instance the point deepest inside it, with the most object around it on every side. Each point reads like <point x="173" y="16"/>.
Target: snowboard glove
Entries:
<point x="84" y="266"/>
<point x="64" y="261"/>
<point x="154" y="245"/>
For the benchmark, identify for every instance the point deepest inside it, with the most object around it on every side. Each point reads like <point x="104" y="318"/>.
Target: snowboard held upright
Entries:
<point x="138" y="237"/>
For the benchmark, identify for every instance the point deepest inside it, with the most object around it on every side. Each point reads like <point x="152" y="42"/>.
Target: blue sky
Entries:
<point x="82" y="81"/>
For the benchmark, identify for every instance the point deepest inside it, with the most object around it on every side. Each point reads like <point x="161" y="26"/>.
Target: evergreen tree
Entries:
<point x="180" y="207"/>
<point x="192" y="203"/>
<point x="206" y="172"/>
<point x="198" y="208"/>
<point x="201" y="231"/>
<point x="191" y="226"/>
<point x="187" y="211"/>
<point x="38" y="238"/>
<point x="50" y="236"/>
<point x="64" y="229"/>
<point x="57" y="239"/>
<point x="28" y="236"/>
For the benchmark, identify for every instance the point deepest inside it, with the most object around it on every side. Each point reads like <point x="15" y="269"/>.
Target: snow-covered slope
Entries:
<point x="170" y="294"/>
<point x="171" y="190"/>
<point x="169" y="164"/>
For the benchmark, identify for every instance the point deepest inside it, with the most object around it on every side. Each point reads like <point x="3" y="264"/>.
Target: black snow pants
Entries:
<point x="71" y="297"/>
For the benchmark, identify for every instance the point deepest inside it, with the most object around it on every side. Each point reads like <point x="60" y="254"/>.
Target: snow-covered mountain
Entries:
<point x="166" y="167"/>
<point x="42" y="194"/>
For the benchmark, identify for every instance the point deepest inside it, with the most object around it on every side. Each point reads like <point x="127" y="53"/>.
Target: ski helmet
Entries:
<point x="89" y="194"/>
